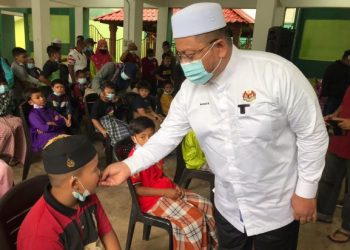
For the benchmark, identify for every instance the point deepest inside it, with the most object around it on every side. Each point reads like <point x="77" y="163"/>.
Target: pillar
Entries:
<point x="41" y="29"/>
<point x="78" y="17"/>
<point x="133" y="22"/>
<point x="268" y="13"/>
<point x="162" y="30"/>
<point x="112" y="39"/>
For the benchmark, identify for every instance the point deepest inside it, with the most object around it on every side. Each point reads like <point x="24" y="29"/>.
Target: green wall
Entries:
<point x="7" y="34"/>
<point x="322" y="35"/>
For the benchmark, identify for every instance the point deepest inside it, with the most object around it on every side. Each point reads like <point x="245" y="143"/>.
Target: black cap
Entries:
<point x="65" y="154"/>
<point x="90" y="40"/>
<point x="130" y="69"/>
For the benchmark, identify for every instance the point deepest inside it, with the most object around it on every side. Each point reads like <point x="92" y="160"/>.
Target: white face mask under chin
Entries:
<point x="36" y="106"/>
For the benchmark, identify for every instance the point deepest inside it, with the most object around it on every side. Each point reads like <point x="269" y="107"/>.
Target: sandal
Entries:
<point x="339" y="232"/>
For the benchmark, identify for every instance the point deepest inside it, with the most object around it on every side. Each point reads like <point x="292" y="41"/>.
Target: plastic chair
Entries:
<point x="88" y="103"/>
<point x="183" y="175"/>
<point x="15" y="205"/>
<point x="120" y="152"/>
<point x="31" y="156"/>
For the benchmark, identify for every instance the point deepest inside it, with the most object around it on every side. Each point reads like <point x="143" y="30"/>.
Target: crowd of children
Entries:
<point x="56" y="95"/>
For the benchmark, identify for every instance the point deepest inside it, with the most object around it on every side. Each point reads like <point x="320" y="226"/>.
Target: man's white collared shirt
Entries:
<point x="260" y="127"/>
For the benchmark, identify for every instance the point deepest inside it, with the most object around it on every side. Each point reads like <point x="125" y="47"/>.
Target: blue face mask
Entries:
<point x="79" y="196"/>
<point x="195" y="71"/>
<point x="110" y="96"/>
<point x="3" y="89"/>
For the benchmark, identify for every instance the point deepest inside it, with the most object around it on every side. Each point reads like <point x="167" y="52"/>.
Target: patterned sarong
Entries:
<point x="192" y="220"/>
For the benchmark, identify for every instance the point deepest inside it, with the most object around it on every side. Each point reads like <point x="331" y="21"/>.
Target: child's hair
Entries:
<point x="149" y="51"/>
<point x="32" y="91"/>
<point x="56" y="81"/>
<point x="168" y="83"/>
<point x="108" y="85"/>
<point x="143" y="85"/>
<point x="140" y="124"/>
<point x="80" y="71"/>
<point x="18" y="51"/>
<point x="51" y="49"/>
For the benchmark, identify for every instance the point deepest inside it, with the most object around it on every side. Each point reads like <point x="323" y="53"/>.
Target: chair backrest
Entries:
<point x="135" y="202"/>
<point x="24" y="110"/>
<point x="122" y="149"/>
<point x="15" y="205"/>
<point x="180" y="163"/>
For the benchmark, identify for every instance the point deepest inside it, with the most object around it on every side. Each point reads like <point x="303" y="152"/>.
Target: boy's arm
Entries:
<point x="99" y="127"/>
<point x="110" y="241"/>
<point x="36" y="122"/>
<point x="171" y="193"/>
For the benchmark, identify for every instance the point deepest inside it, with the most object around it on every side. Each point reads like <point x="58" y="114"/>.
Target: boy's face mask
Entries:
<point x="30" y="65"/>
<point x="79" y="196"/>
<point x="124" y="76"/>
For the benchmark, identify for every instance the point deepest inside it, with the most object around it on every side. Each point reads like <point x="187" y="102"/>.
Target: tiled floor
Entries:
<point x="117" y="203"/>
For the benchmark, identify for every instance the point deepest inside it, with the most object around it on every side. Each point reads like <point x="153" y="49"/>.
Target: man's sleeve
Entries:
<point x="301" y="105"/>
<point x="174" y="127"/>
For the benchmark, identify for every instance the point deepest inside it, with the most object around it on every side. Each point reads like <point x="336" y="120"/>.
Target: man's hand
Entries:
<point x="343" y="123"/>
<point x="104" y="133"/>
<point x="304" y="209"/>
<point x="115" y="174"/>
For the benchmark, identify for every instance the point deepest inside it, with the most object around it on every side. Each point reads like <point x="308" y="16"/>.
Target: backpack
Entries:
<point x="8" y="73"/>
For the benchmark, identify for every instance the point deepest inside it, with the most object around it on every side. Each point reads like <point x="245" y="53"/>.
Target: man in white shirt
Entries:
<point x="76" y="60"/>
<point x="259" y="124"/>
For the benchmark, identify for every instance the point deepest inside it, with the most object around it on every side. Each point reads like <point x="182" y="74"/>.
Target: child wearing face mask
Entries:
<point x="32" y="69"/>
<point x="100" y="58"/>
<point x="69" y="214"/>
<point x="159" y="196"/>
<point x="106" y="117"/>
<point x="59" y="100"/>
<point x="23" y="80"/>
<point x="167" y="98"/>
<point x="44" y="122"/>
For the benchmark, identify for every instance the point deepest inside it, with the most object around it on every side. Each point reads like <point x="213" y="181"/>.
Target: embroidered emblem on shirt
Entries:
<point x="204" y="103"/>
<point x="249" y="95"/>
<point x="70" y="163"/>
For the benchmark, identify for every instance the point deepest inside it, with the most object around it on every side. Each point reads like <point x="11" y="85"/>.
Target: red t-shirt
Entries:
<point x="340" y="145"/>
<point x="51" y="225"/>
<point x="152" y="177"/>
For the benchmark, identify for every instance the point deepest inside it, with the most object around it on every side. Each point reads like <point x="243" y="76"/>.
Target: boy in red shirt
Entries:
<point x="69" y="215"/>
<point x="191" y="215"/>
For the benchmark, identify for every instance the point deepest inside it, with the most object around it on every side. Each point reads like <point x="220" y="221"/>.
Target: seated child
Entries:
<point x="190" y="214"/>
<point x="164" y="72"/>
<point x="79" y="90"/>
<point x="44" y="122"/>
<point x="166" y="98"/>
<point x="59" y="100"/>
<point x="69" y="214"/>
<point x="141" y="105"/>
<point x="192" y="153"/>
<point x="31" y="69"/>
<point x="104" y="116"/>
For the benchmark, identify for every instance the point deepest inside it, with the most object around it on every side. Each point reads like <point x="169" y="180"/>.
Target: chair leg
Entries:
<point x="146" y="231"/>
<point x="171" y="240"/>
<point x="108" y="153"/>
<point x="131" y="229"/>
<point x="212" y="185"/>
<point x="26" y="168"/>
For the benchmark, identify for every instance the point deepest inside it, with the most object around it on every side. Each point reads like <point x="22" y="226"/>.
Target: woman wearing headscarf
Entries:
<point x="100" y="58"/>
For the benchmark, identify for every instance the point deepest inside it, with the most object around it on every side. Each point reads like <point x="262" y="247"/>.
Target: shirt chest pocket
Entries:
<point x="256" y="122"/>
